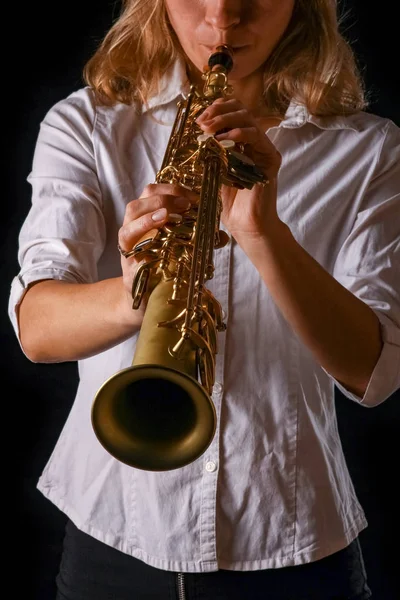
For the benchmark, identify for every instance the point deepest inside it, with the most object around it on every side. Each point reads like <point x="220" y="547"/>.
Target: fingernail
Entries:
<point x="181" y="202"/>
<point x="206" y="123"/>
<point x="159" y="215"/>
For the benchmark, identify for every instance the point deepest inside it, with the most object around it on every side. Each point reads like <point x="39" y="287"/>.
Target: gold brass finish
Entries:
<point x="154" y="415"/>
<point x="158" y="414"/>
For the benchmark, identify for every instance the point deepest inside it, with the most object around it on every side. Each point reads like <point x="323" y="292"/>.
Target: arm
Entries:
<point x="340" y="330"/>
<point x="58" y="306"/>
<point x="63" y="321"/>
<point x="348" y="320"/>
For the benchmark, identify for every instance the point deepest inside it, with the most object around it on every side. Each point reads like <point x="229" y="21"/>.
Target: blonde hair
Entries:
<point x="312" y="63"/>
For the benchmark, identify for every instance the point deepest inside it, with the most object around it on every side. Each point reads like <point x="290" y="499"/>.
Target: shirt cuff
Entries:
<point x="385" y="378"/>
<point x="20" y="285"/>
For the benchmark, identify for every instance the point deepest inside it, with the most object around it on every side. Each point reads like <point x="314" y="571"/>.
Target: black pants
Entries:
<point x="90" y="570"/>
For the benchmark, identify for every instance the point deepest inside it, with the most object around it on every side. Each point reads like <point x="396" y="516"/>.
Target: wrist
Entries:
<point x="128" y="317"/>
<point x="267" y="242"/>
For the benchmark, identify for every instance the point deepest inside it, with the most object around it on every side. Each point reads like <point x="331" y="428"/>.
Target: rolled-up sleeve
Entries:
<point x="63" y="234"/>
<point x="369" y="265"/>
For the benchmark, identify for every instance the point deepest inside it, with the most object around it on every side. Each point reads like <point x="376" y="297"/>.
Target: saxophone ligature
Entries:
<point x="158" y="414"/>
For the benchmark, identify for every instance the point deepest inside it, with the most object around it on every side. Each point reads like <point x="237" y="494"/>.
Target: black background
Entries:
<point x="42" y="63"/>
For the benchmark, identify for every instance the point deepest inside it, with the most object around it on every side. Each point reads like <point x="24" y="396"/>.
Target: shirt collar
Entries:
<point x="298" y="115"/>
<point x="175" y="84"/>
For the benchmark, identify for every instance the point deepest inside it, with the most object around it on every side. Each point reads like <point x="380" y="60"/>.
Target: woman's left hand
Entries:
<point x="247" y="214"/>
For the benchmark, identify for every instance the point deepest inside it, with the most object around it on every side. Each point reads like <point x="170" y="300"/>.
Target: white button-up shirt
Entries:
<point x="273" y="488"/>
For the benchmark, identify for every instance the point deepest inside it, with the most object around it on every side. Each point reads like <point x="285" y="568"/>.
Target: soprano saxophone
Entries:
<point x="158" y="414"/>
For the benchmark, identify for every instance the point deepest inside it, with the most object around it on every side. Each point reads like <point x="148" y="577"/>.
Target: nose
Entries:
<point x="223" y="14"/>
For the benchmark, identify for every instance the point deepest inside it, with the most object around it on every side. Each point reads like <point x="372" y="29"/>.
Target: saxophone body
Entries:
<point x="158" y="414"/>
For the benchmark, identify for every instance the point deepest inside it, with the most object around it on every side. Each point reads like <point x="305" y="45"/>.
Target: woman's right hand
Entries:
<point x="143" y="216"/>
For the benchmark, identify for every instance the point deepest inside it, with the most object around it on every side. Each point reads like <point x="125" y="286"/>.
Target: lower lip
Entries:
<point x="236" y="50"/>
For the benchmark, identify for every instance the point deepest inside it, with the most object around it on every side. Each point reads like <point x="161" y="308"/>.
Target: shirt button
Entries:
<point x="211" y="466"/>
<point x="217" y="387"/>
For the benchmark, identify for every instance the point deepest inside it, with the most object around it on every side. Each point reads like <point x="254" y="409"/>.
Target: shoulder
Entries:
<point x="366" y="125"/>
<point x="359" y="126"/>
<point x="378" y="135"/>
<point x="381" y="136"/>
<point x="372" y="123"/>
<point x="77" y="106"/>
<point x="364" y="135"/>
<point x="80" y="112"/>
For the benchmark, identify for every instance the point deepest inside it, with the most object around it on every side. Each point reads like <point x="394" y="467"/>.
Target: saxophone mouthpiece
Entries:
<point x="222" y="56"/>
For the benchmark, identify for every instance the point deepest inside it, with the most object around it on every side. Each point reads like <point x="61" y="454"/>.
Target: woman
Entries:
<point x="307" y="286"/>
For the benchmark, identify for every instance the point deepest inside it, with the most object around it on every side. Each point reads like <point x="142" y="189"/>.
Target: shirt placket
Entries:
<point x="211" y="458"/>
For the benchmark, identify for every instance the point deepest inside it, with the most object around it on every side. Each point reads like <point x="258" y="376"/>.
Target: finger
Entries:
<point x="219" y="107"/>
<point x="168" y="189"/>
<point x="254" y="141"/>
<point x="257" y="146"/>
<point x="158" y="204"/>
<point x="148" y="205"/>
<point x="229" y="120"/>
<point x="251" y="136"/>
<point x="133" y="231"/>
<point x="245" y="135"/>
